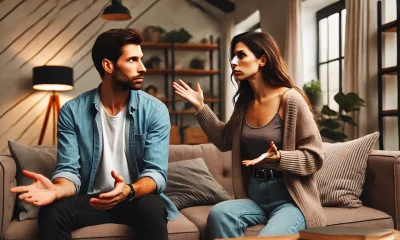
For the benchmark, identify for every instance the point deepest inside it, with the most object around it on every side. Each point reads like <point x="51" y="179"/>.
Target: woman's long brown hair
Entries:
<point x="273" y="72"/>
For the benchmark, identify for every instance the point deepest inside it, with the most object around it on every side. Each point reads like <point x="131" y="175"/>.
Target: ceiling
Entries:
<point x="209" y="9"/>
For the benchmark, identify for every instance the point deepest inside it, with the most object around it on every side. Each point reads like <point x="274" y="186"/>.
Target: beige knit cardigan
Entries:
<point x="301" y="155"/>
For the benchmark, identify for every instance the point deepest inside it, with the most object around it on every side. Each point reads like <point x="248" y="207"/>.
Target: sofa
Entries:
<point x="380" y="199"/>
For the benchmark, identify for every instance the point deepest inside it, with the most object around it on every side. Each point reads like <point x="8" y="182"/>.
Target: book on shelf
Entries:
<point x="346" y="233"/>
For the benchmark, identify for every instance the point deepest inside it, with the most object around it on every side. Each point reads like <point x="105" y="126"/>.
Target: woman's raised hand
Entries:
<point x="196" y="98"/>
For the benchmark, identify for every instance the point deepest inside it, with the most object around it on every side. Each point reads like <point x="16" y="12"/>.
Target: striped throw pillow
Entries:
<point x="340" y="180"/>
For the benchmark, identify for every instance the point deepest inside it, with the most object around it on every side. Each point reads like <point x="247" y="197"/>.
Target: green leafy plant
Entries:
<point x="332" y="121"/>
<point x="313" y="91"/>
<point x="178" y="36"/>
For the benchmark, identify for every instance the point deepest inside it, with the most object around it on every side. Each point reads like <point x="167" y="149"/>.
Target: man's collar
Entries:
<point x="132" y="101"/>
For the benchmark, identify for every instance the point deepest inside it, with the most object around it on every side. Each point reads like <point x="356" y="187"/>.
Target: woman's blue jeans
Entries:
<point x="270" y="204"/>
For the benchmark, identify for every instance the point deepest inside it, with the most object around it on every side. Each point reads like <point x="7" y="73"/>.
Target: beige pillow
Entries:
<point x="340" y="180"/>
<point x="190" y="183"/>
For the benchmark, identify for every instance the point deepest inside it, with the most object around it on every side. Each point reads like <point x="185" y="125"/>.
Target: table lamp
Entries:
<point x="52" y="78"/>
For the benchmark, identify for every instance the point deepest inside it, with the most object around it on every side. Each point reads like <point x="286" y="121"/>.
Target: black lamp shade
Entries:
<point x="116" y="12"/>
<point x="53" y="78"/>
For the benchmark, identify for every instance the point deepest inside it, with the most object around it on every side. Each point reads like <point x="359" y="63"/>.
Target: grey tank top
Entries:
<point x="255" y="140"/>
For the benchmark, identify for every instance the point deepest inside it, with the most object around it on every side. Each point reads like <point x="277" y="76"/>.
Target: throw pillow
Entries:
<point x="190" y="183"/>
<point x="340" y="180"/>
<point x="38" y="159"/>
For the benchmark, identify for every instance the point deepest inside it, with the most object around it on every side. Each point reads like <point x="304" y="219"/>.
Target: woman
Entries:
<point x="270" y="114"/>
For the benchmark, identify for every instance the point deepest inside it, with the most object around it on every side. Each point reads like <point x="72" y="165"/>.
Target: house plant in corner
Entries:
<point x="313" y="91"/>
<point x="332" y="124"/>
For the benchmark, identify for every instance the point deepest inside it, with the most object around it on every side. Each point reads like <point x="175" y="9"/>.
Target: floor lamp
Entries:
<point x="52" y="78"/>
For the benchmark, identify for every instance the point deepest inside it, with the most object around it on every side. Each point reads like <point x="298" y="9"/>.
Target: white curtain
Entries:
<point x="293" y="43"/>
<point x="360" y="63"/>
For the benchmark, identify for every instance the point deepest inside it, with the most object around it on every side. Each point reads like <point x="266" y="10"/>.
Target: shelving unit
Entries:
<point x="390" y="27"/>
<point x="171" y="73"/>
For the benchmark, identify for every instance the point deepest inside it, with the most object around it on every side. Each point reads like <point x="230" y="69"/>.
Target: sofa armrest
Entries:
<point x="7" y="199"/>
<point x="382" y="183"/>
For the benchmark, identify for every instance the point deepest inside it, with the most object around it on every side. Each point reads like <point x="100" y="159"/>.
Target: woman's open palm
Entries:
<point x="196" y="98"/>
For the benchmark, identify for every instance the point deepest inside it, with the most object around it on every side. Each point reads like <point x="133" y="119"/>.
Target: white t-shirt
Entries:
<point x="113" y="156"/>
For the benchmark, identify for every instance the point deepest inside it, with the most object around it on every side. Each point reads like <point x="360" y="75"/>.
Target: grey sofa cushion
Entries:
<point x="190" y="183"/>
<point x="38" y="159"/>
<point x="361" y="217"/>
<point x="340" y="180"/>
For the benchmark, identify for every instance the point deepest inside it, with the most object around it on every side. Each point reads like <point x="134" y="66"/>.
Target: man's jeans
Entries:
<point x="270" y="204"/>
<point x="146" y="214"/>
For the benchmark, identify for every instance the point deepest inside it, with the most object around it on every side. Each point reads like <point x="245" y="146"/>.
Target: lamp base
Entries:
<point x="54" y="104"/>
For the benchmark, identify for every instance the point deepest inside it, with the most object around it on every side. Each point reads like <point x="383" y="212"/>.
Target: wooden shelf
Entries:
<point x="183" y="72"/>
<point x="389" y="112"/>
<point x="182" y="112"/>
<point x="389" y="27"/>
<point x="211" y="100"/>
<point x="195" y="46"/>
<point x="186" y="112"/>
<point x="390" y="70"/>
<point x="180" y="46"/>
<point x="206" y="100"/>
<point x="158" y="71"/>
<point x="194" y="136"/>
<point x="174" y="136"/>
<point x="196" y="72"/>
<point x="167" y="52"/>
<point x="148" y="45"/>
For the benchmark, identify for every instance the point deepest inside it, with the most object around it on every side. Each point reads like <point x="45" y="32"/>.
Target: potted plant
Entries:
<point x="153" y="34"/>
<point x="313" y="91"/>
<point x="333" y="123"/>
<point x="177" y="36"/>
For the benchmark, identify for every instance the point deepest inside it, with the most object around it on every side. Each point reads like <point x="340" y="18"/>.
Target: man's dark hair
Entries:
<point x="108" y="45"/>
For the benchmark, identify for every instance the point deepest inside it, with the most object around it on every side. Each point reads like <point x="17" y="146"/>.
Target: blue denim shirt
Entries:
<point x="147" y="142"/>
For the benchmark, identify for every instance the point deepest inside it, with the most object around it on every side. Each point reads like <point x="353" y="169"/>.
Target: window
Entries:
<point x="331" y="22"/>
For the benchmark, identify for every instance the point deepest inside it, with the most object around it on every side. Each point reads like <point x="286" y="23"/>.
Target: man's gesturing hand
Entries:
<point x="110" y="199"/>
<point x="41" y="192"/>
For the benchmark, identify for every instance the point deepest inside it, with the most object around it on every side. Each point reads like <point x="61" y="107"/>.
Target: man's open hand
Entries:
<point x="41" y="192"/>
<point x="110" y="199"/>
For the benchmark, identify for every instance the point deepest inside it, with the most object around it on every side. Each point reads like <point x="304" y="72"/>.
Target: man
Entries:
<point x="113" y="145"/>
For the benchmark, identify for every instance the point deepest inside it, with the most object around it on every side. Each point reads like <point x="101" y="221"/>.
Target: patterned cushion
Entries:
<point x="340" y="180"/>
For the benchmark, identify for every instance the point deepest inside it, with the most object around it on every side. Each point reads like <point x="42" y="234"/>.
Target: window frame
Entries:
<point x="322" y="14"/>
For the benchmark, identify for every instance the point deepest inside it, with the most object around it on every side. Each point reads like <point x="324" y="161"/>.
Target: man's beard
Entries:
<point x="125" y="82"/>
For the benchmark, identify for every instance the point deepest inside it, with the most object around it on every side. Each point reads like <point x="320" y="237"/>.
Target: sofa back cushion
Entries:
<point x="38" y="159"/>
<point x="219" y="163"/>
<point x="190" y="184"/>
<point x="340" y="180"/>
